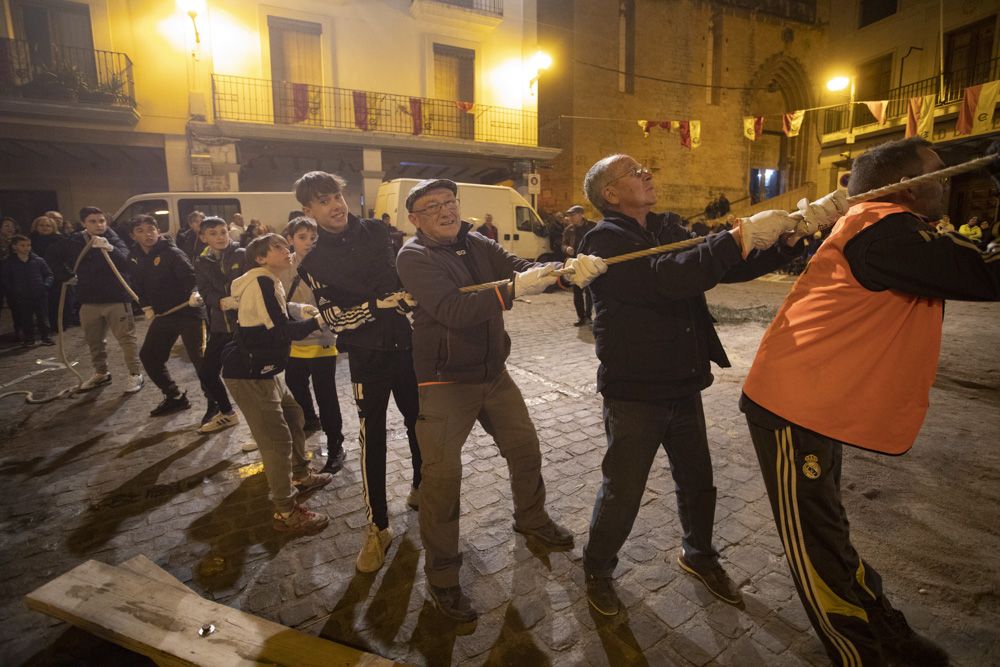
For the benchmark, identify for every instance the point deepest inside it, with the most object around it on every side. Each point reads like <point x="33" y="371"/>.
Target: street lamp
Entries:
<point x="837" y="84"/>
<point x="538" y="62"/>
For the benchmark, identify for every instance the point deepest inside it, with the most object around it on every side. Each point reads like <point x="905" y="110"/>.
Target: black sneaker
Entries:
<point x="715" y="579"/>
<point x="580" y="322"/>
<point x="453" y="603"/>
<point x="312" y="425"/>
<point x="551" y="534"/>
<point x="48" y="342"/>
<point x="171" y="404"/>
<point x="334" y="462"/>
<point x="602" y="596"/>
<point x="900" y="644"/>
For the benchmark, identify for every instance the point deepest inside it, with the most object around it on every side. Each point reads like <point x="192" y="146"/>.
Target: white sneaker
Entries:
<point x="221" y="421"/>
<point x="249" y="446"/>
<point x="96" y="380"/>
<point x="372" y="554"/>
<point x="134" y="383"/>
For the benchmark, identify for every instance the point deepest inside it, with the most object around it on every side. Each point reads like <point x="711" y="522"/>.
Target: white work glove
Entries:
<point x="229" y="303"/>
<point x="73" y="280"/>
<point x="100" y="243"/>
<point x="822" y="213"/>
<point x="391" y="300"/>
<point x="585" y="269"/>
<point x="534" y="281"/>
<point x="763" y="230"/>
<point x="148" y="313"/>
<point x="302" y="311"/>
<point x="195" y="300"/>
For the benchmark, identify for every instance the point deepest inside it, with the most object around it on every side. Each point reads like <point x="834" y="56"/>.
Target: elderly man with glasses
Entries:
<point x="459" y="350"/>
<point x="655" y="340"/>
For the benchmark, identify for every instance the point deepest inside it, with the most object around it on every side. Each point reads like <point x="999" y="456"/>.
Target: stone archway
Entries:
<point x="780" y="85"/>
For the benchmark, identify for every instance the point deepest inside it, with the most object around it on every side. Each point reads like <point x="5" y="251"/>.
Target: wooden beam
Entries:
<point x="161" y="621"/>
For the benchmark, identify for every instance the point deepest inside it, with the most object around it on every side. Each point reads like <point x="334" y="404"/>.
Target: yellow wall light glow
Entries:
<point x="509" y="83"/>
<point x="838" y="83"/>
<point x="540" y="61"/>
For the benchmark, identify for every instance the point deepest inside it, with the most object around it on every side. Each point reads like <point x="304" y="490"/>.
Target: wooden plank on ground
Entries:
<point x="143" y="566"/>
<point x="161" y="621"/>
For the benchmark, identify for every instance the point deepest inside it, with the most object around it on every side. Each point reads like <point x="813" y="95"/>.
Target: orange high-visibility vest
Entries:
<point x="844" y="361"/>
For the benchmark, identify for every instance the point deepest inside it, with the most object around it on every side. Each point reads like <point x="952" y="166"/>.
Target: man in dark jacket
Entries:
<point x="353" y="263"/>
<point x="576" y="228"/>
<point x="104" y="300"/>
<point x="460" y="347"/>
<point x="655" y="340"/>
<point x="163" y="278"/>
<point x="26" y="280"/>
<point x="190" y="239"/>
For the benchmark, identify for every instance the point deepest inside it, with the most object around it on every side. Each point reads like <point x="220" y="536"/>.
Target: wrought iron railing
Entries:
<point x="491" y="7"/>
<point x="947" y="89"/>
<point x="803" y="11"/>
<point x="249" y="100"/>
<point x="65" y="73"/>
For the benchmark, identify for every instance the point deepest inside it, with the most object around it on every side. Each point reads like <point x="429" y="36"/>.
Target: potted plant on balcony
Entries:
<point x="59" y="82"/>
<point x="111" y="91"/>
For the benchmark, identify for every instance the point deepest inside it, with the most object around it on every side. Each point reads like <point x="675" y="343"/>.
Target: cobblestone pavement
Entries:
<point x="94" y="477"/>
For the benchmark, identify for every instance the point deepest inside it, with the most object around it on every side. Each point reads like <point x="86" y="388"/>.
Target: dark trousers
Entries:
<point x="160" y="338"/>
<point x="635" y="431"/>
<point x="840" y="592"/>
<point x="584" y="302"/>
<point x="28" y="311"/>
<point x="211" y="370"/>
<point x="323" y="371"/>
<point x="375" y="375"/>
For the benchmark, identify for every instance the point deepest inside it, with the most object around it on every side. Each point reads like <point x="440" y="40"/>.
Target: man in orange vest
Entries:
<point x="865" y="320"/>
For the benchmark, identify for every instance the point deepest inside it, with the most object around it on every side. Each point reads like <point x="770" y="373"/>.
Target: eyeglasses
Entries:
<point x="638" y="172"/>
<point x="435" y="208"/>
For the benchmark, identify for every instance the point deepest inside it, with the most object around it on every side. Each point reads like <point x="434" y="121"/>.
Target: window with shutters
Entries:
<point x="296" y="70"/>
<point x="455" y="85"/>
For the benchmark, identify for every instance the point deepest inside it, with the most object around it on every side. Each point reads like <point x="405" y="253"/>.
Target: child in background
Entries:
<point x="215" y="269"/>
<point x="314" y="356"/>
<point x="26" y="282"/>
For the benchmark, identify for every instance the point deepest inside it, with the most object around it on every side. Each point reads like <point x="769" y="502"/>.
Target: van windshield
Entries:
<point x="157" y="208"/>
<point x="220" y="207"/>
<point x="528" y="221"/>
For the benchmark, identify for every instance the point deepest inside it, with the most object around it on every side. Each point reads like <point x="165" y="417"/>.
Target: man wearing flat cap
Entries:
<point x="459" y="350"/>
<point x="576" y="227"/>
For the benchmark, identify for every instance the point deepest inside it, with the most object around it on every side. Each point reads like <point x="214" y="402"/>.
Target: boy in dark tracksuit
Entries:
<point x="163" y="278"/>
<point x="215" y="268"/>
<point x="353" y="263"/>
<point x="252" y="366"/>
<point x="26" y="282"/>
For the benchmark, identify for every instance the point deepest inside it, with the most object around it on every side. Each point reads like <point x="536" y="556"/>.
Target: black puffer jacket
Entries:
<point x="653" y="332"/>
<point x="350" y="269"/>
<point x="25" y="280"/>
<point x="215" y="275"/>
<point x="458" y="337"/>
<point x="97" y="283"/>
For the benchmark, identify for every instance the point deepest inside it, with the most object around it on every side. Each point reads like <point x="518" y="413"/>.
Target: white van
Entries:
<point x="171" y="208"/>
<point x="519" y="228"/>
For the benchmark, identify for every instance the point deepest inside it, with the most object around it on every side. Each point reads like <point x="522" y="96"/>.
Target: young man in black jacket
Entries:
<point x="353" y="263"/>
<point x="190" y="239"/>
<point x="104" y="301"/>
<point x="163" y="278"/>
<point x="215" y="269"/>
<point x="655" y="340"/>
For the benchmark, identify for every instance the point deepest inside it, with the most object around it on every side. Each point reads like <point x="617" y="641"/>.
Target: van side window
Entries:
<point x="157" y="208"/>
<point x="223" y="208"/>
<point x="528" y="221"/>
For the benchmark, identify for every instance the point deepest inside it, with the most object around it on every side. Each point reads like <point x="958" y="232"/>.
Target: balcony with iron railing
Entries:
<point x="948" y="89"/>
<point x="467" y="14"/>
<point x="299" y="105"/>
<point x="68" y="77"/>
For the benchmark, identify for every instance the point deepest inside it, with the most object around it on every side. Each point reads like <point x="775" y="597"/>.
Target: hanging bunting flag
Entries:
<point x="753" y="127"/>
<point x="976" y="114"/>
<point x="647" y="125"/>
<point x="695" y="128"/>
<point x="417" y="114"/>
<point x="360" y="109"/>
<point x="920" y="117"/>
<point x="791" y="123"/>
<point x="877" y="107"/>
<point x="467" y="107"/>
<point x="685" y="128"/>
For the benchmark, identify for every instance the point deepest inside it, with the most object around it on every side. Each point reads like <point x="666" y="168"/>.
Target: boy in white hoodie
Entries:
<point x="252" y="366"/>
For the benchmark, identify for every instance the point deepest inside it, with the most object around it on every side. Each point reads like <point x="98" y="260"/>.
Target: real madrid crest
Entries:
<point x="156" y="262"/>
<point x="811" y="467"/>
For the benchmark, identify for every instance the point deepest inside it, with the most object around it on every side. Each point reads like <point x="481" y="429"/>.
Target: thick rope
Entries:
<point x="947" y="172"/>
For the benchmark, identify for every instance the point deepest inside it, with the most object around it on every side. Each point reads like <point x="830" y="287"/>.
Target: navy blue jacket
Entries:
<point x="28" y="279"/>
<point x="654" y="335"/>
<point x="98" y="283"/>
<point x="215" y="276"/>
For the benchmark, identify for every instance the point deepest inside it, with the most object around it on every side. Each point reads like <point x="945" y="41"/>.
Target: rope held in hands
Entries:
<point x="947" y="172"/>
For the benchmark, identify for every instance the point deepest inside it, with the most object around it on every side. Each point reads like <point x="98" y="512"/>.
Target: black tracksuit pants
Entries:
<point x="376" y="374"/>
<point x="841" y="593"/>
<point x="27" y="311"/>
<point x="323" y="371"/>
<point x="210" y="373"/>
<point x="160" y="338"/>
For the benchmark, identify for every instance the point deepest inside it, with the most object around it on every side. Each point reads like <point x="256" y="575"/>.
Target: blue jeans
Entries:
<point x="635" y="431"/>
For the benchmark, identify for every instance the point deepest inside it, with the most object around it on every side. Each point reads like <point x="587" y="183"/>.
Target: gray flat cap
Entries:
<point x="425" y="186"/>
